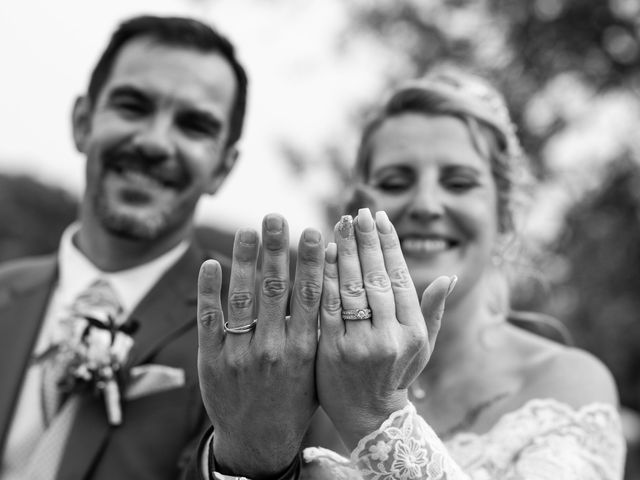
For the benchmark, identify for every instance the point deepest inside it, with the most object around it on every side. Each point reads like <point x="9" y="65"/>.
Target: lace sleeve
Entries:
<point x="405" y="447"/>
<point x="543" y="440"/>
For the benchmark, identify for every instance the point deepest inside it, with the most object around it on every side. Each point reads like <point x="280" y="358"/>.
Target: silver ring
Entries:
<point x="249" y="327"/>
<point x="357" y="314"/>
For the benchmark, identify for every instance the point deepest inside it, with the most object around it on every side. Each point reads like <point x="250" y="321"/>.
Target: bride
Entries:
<point x="488" y="400"/>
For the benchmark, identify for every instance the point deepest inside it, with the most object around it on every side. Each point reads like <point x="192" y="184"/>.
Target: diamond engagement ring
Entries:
<point x="357" y="314"/>
<point x="249" y="327"/>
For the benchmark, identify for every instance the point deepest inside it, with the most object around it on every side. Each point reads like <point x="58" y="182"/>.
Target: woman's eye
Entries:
<point x="393" y="184"/>
<point x="460" y="184"/>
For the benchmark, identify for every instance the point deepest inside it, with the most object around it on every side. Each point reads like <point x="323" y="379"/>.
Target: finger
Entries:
<point x="210" y="316"/>
<point x="374" y="274"/>
<point x="432" y="304"/>
<point x="331" y="324"/>
<point x="275" y="280"/>
<point x="352" y="292"/>
<point x="242" y="285"/>
<point x="307" y="287"/>
<point x="404" y="292"/>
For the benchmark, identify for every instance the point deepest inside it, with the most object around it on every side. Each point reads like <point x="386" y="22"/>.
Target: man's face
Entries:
<point x="155" y="140"/>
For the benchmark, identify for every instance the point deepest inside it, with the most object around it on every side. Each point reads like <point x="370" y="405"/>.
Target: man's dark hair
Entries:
<point x="174" y="32"/>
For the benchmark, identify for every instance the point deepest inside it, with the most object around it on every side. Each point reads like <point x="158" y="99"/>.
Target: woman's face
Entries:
<point x="440" y="194"/>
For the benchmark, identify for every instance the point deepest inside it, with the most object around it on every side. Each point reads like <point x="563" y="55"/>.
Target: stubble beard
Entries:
<point x="144" y="225"/>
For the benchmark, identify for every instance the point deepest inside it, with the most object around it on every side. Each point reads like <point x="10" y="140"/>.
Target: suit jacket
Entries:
<point x="160" y="431"/>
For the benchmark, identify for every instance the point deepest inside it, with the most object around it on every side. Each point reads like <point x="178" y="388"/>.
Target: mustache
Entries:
<point x="169" y="172"/>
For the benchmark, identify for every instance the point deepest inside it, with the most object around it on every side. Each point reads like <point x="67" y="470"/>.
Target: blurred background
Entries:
<point x="570" y="70"/>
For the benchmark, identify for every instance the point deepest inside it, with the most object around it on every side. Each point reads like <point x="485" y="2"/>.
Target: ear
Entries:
<point x="220" y="174"/>
<point x="81" y="122"/>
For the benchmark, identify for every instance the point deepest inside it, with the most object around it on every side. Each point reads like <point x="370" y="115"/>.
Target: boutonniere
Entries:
<point x="93" y="352"/>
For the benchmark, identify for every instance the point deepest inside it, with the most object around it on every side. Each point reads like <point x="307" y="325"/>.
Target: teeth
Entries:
<point x="141" y="178"/>
<point x="425" y="245"/>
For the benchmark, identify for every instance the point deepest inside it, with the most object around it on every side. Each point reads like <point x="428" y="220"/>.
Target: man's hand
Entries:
<point x="259" y="387"/>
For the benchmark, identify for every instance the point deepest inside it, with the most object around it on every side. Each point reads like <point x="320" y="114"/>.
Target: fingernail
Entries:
<point x="452" y="284"/>
<point x="331" y="253"/>
<point x="346" y="226"/>
<point x="248" y="237"/>
<point x="365" y="220"/>
<point x="209" y="267"/>
<point x="274" y="223"/>
<point x="383" y="222"/>
<point x="312" y="237"/>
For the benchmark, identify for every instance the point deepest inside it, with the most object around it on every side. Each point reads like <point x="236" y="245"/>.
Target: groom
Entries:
<point x="158" y="127"/>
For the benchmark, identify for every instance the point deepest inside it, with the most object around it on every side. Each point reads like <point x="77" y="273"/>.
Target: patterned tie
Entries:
<point x="42" y="463"/>
<point x="99" y="300"/>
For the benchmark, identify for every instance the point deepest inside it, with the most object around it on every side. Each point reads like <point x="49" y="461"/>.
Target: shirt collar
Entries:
<point x="77" y="272"/>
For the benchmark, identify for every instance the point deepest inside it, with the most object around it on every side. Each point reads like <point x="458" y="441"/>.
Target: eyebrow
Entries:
<point x="189" y="110"/>
<point x="464" y="168"/>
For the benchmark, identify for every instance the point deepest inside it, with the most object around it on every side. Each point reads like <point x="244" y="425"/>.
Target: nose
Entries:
<point x="427" y="202"/>
<point x="154" y="140"/>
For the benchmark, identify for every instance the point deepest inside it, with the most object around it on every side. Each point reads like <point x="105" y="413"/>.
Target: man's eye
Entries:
<point x="198" y="127"/>
<point x="131" y="108"/>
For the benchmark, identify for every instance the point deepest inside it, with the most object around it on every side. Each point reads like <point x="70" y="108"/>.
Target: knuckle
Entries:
<point x="400" y="277"/>
<point x="387" y="350"/>
<point x="236" y="362"/>
<point x="353" y="288"/>
<point x="269" y="355"/>
<point x="241" y="300"/>
<point x="210" y="317"/>
<point x="378" y="280"/>
<point x="417" y="339"/>
<point x="332" y="305"/>
<point x="303" y="350"/>
<point x="275" y="287"/>
<point x="309" y="291"/>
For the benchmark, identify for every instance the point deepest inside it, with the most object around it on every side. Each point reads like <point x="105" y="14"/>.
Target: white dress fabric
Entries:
<point x="543" y="440"/>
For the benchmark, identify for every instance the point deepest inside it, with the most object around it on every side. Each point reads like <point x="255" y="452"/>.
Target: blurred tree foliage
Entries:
<point x="599" y="294"/>
<point x="32" y="216"/>
<point x="521" y="45"/>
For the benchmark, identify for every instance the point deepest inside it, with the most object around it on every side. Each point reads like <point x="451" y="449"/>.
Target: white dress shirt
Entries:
<point x="76" y="274"/>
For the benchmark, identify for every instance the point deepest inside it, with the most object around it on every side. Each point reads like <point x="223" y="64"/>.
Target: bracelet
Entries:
<point x="292" y="472"/>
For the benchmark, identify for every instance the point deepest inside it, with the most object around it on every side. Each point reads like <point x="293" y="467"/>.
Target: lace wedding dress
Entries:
<point x="543" y="440"/>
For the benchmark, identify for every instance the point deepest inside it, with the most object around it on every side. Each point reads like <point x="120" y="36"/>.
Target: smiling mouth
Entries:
<point x="415" y="245"/>
<point x="138" y="175"/>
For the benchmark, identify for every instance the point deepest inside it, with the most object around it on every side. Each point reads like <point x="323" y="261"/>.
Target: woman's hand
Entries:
<point x="364" y="367"/>
<point x="258" y="385"/>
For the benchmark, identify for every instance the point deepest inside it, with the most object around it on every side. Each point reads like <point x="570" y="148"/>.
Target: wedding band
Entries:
<point x="249" y="327"/>
<point x="357" y="314"/>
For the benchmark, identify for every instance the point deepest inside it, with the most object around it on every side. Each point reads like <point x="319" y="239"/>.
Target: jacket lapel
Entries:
<point x="168" y="309"/>
<point x="22" y="308"/>
<point x="160" y="317"/>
